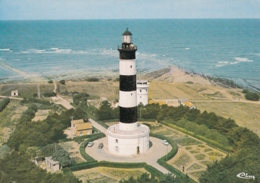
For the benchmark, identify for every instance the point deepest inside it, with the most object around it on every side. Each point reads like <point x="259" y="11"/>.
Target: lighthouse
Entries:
<point x="128" y="137"/>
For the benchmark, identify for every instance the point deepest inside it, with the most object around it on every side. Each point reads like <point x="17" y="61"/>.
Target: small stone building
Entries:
<point x="14" y="93"/>
<point x="80" y="128"/>
<point x="52" y="165"/>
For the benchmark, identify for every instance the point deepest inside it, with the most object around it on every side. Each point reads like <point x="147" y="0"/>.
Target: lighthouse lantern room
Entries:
<point x="127" y="37"/>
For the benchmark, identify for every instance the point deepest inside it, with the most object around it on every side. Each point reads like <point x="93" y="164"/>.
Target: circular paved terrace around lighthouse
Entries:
<point x="150" y="157"/>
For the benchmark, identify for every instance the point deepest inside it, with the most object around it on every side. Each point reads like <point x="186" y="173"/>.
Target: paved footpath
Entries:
<point x="15" y="98"/>
<point x="157" y="150"/>
<point x="98" y="126"/>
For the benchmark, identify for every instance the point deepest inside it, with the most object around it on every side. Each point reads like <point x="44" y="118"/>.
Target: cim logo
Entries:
<point x="244" y="175"/>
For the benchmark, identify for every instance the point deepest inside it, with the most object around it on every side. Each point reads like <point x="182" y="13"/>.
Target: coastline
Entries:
<point x="180" y="75"/>
<point x="171" y="83"/>
<point x="170" y="74"/>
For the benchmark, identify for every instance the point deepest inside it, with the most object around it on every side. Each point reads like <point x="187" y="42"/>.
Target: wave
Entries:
<point x="242" y="59"/>
<point x="34" y="51"/>
<point x="187" y="48"/>
<point x="222" y="63"/>
<point x="62" y="50"/>
<point x="69" y="51"/>
<point x="5" y="49"/>
<point x="237" y="61"/>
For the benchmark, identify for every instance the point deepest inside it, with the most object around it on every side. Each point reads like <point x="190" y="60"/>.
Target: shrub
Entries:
<point x="80" y="97"/>
<point x="62" y="82"/>
<point x="252" y="96"/>
<point x="49" y="94"/>
<point x="245" y="91"/>
<point x="4" y="103"/>
<point x="92" y="79"/>
<point x="35" y="100"/>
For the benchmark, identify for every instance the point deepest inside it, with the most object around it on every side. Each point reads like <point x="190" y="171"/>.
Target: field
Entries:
<point x="108" y="175"/>
<point x="41" y="115"/>
<point x="103" y="89"/>
<point x="8" y="117"/>
<point x="163" y="90"/>
<point x="226" y="102"/>
<point x="245" y="114"/>
<point x="25" y="90"/>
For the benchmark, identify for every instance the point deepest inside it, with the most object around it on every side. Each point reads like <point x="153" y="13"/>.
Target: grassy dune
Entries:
<point x="245" y="114"/>
<point x="226" y="102"/>
<point x="103" y="88"/>
<point x="164" y="90"/>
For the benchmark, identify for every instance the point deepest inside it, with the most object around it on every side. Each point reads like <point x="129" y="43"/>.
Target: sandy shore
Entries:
<point x="170" y="74"/>
<point x="177" y="75"/>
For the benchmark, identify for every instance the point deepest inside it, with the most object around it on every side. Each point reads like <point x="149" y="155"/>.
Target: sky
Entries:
<point x="127" y="9"/>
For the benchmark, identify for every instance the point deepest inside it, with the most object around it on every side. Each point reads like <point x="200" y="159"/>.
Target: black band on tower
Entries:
<point x="127" y="54"/>
<point x="128" y="115"/>
<point x="127" y="83"/>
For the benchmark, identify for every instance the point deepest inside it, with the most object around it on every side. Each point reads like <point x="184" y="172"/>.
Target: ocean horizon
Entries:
<point x="225" y="48"/>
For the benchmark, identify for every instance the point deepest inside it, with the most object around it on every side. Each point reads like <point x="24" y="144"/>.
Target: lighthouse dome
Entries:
<point x="127" y="32"/>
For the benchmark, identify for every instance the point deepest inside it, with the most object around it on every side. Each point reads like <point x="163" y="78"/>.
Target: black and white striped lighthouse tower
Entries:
<point x="127" y="85"/>
<point x="128" y="137"/>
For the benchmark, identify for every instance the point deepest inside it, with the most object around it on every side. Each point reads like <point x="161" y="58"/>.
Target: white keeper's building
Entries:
<point x="142" y="92"/>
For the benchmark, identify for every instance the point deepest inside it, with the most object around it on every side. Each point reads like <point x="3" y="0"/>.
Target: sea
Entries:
<point x="51" y="49"/>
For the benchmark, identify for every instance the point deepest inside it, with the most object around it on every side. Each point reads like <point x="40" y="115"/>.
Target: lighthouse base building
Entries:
<point x="128" y="137"/>
<point x="127" y="142"/>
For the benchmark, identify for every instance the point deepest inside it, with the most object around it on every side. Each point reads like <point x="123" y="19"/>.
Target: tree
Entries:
<point x="149" y="111"/>
<point x="62" y="82"/>
<point x="168" y="178"/>
<point x="18" y="168"/>
<point x="50" y="149"/>
<point x="79" y="113"/>
<point x="192" y="114"/>
<point x="63" y="157"/>
<point x="105" y="111"/>
<point x="80" y="98"/>
<point x="143" y="178"/>
<point x="49" y="94"/>
<point x="4" y="103"/>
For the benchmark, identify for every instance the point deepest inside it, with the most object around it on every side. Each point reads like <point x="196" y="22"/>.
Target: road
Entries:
<point x="98" y="126"/>
<point x="59" y="100"/>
